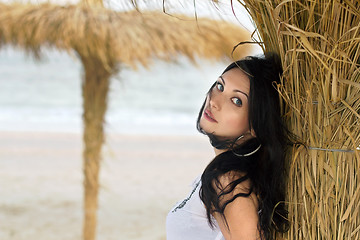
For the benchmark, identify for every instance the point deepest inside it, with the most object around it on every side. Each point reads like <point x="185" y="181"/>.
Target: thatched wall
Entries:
<point x="319" y="43"/>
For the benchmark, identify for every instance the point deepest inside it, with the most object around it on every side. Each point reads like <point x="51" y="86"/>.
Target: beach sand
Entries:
<point x="142" y="177"/>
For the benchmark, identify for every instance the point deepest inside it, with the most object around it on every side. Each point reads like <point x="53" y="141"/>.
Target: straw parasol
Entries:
<point x="106" y="40"/>
<point x="319" y="43"/>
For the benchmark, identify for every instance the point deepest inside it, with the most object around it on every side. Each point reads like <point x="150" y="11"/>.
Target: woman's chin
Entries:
<point x="203" y="125"/>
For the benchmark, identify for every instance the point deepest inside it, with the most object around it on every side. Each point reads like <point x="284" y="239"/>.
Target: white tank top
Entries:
<point x="188" y="221"/>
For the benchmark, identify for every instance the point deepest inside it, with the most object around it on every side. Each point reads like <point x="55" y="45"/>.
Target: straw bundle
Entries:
<point x="126" y="37"/>
<point x="319" y="43"/>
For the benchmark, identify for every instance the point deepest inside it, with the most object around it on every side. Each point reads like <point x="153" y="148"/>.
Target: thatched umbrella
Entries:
<point x="319" y="43"/>
<point x="102" y="39"/>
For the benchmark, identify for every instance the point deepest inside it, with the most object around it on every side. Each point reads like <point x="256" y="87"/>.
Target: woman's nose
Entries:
<point x="215" y="102"/>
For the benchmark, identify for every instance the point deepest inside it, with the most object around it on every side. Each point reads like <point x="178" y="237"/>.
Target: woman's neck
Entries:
<point x="219" y="151"/>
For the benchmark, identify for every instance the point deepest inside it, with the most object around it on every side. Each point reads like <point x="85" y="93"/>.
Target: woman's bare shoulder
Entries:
<point x="225" y="181"/>
<point x="241" y="215"/>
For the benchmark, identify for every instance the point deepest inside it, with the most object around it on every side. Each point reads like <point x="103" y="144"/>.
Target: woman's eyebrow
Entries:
<point x="236" y="90"/>
<point x="241" y="92"/>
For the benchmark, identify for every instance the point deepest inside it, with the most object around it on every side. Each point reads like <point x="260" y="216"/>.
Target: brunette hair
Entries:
<point x="265" y="168"/>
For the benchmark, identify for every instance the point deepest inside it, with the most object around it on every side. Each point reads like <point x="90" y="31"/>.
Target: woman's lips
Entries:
<point x="208" y="115"/>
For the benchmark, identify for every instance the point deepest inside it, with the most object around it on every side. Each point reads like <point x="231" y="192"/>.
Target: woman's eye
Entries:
<point x="220" y="87"/>
<point x="237" y="101"/>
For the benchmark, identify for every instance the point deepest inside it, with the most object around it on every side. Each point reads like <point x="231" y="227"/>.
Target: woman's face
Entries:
<point x="225" y="112"/>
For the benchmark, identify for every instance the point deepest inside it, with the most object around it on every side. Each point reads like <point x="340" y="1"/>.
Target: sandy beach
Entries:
<point x="142" y="177"/>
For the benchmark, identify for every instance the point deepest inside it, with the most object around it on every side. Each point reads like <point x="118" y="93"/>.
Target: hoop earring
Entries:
<point x="237" y="139"/>
<point x="240" y="137"/>
<point x="247" y="154"/>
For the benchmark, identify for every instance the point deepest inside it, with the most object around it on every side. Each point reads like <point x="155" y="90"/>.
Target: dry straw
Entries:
<point x="319" y="43"/>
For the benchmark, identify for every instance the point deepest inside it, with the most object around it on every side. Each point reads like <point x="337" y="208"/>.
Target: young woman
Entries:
<point x="241" y="193"/>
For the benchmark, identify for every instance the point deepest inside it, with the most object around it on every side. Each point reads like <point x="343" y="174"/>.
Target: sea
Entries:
<point x="45" y="95"/>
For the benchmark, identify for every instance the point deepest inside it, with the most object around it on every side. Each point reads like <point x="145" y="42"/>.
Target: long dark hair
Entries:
<point x="264" y="168"/>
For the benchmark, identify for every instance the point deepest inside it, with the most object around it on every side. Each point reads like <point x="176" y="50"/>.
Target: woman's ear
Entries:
<point x="252" y="132"/>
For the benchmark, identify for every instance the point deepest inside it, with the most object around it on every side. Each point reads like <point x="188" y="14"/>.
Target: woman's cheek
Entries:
<point x="237" y="125"/>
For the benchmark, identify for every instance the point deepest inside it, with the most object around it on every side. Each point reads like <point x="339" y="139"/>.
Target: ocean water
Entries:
<point x="46" y="95"/>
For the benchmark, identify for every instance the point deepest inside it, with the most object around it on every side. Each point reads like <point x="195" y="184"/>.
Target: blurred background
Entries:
<point x="152" y="150"/>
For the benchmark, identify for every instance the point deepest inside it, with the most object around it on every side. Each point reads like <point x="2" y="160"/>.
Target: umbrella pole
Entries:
<point x="95" y="87"/>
